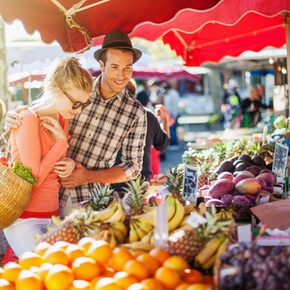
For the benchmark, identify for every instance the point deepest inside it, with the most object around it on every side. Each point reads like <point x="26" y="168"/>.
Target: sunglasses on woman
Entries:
<point x="77" y="104"/>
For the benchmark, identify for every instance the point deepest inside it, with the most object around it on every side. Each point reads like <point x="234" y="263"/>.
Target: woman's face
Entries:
<point x="72" y="102"/>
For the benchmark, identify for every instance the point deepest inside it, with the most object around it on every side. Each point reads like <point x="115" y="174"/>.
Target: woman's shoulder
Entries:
<point x="29" y="115"/>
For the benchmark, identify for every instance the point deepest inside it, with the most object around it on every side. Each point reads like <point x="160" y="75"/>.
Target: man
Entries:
<point x="114" y="120"/>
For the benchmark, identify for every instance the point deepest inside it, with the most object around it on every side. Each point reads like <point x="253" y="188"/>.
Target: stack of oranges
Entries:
<point x="93" y="265"/>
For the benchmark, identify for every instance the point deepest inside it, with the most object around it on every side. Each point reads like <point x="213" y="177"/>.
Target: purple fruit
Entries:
<point x="221" y="187"/>
<point x="270" y="178"/>
<point x="225" y="175"/>
<point x="242" y="176"/>
<point x="248" y="186"/>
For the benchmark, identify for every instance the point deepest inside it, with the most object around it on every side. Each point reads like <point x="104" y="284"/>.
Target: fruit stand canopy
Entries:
<point x="74" y="24"/>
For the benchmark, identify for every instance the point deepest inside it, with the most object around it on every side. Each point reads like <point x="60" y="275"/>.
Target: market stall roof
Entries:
<point x="75" y="24"/>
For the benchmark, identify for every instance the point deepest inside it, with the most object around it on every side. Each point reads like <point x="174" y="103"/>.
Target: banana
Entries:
<point x="152" y="239"/>
<point x="209" y="249"/>
<point x="118" y="215"/>
<point x="147" y="237"/>
<point x="209" y="263"/>
<point x="139" y="231"/>
<point x="56" y="220"/>
<point x="145" y="227"/>
<point x="119" y="236"/>
<point x="111" y="238"/>
<point x="178" y="216"/>
<point x="105" y="214"/>
<point x="133" y="236"/>
<point x="148" y="217"/>
<point x="221" y="250"/>
<point x="171" y="206"/>
<point x="138" y="246"/>
<point x="121" y="227"/>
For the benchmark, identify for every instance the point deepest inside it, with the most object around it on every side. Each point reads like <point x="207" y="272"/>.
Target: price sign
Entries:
<point x="280" y="159"/>
<point x="190" y="181"/>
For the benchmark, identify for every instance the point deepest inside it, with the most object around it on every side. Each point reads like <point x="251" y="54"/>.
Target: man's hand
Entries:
<point x="77" y="177"/>
<point x="12" y="119"/>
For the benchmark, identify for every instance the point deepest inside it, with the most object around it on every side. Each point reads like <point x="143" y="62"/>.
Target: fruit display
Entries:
<point x="92" y="264"/>
<point x="252" y="267"/>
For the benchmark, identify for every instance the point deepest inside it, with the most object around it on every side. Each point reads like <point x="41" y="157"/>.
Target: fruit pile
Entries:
<point x="243" y="183"/>
<point x="92" y="264"/>
<point x="249" y="266"/>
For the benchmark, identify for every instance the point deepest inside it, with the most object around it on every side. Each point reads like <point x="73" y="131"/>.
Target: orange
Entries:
<point x="136" y="269"/>
<point x="119" y="258"/>
<point x="86" y="242"/>
<point x="55" y="255"/>
<point x="198" y="286"/>
<point x="43" y="270"/>
<point x="28" y="280"/>
<point x="81" y="285"/>
<point x="100" y="251"/>
<point x="169" y="278"/>
<point x="1" y="271"/>
<point x="6" y="285"/>
<point x="182" y="286"/>
<point x="74" y="251"/>
<point x="41" y="248"/>
<point x="124" y="279"/>
<point x="151" y="283"/>
<point x="192" y="276"/>
<point x="59" y="277"/>
<point x="85" y="268"/>
<point x="138" y="286"/>
<point x="177" y="264"/>
<point x="61" y="244"/>
<point x="11" y="271"/>
<point x="160" y="254"/>
<point x="108" y="272"/>
<point x="107" y="283"/>
<point x="29" y="259"/>
<point x="150" y="262"/>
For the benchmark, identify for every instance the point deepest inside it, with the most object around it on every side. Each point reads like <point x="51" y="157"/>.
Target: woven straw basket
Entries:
<point x="15" y="194"/>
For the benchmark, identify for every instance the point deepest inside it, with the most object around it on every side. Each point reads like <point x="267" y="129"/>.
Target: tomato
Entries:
<point x="4" y="160"/>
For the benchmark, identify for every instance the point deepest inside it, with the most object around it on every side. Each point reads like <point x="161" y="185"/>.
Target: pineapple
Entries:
<point x="187" y="243"/>
<point x="101" y="197"/>
<point x="80" y="222"/>
<point x="175" y="181"/>
<point x="205" y="172"/>
<point x="134" y="197"/>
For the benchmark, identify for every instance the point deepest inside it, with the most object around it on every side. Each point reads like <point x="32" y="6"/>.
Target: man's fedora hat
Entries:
<point x="117" y="39"/>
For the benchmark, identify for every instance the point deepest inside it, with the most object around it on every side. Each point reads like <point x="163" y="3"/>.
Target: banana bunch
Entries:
<point x="175" y="215"/>
<point x="120" y="232"/>
<point x="114" y="213"/>
<point x="139" y="230"/>
<point x="224" y="214"/>
<point x="207" y="258"/>
<point x="106" y="234"/>
<point x="139" y="246"/>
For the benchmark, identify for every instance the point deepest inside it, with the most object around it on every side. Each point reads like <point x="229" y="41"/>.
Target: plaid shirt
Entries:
<point x="100" y="131"/>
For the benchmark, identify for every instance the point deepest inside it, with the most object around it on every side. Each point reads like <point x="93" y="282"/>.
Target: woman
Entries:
<point x="41" y="144"/>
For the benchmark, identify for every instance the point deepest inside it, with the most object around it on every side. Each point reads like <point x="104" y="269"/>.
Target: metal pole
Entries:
<point x="287" y="29"/>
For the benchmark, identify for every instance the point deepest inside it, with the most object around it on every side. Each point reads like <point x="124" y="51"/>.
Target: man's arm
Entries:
<point x="81" y="175"/>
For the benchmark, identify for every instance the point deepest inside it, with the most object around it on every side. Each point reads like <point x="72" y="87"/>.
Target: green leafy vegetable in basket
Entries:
<point x="23" y="172"/>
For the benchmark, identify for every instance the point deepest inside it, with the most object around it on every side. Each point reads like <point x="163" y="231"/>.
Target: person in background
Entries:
<point x="41" y="143"/>
<point x="115" y="120"/>
<point x="171" y="99"/>
<point x="250" y="108"/>
<point x="157" y="137"/>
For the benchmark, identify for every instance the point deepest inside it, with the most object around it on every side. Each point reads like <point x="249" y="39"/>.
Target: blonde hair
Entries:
<point x="67" y="73"/>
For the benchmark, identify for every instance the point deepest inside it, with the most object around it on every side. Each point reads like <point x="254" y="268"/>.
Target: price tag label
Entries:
<point x="190" y="182"/>
<point x="280" y="159"/>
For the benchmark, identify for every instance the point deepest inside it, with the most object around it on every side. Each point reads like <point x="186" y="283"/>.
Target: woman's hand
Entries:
<point x="53" y="126"/>
<point x="64" y="167"/>
<point x="12" y="118"/>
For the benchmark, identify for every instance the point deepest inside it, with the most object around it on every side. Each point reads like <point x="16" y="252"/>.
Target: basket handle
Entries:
<point x="8" y="143"/>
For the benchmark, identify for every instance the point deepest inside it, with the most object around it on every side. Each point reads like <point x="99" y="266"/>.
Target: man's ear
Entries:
<point x="102" y="65"/>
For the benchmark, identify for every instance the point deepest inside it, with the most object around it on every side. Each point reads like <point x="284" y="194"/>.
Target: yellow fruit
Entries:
<point x="177" y="264"/>
<point x="81" y="285"/>
<point x="28" y="280"/>
<point x="55" y="255"/>
<point x="100" y="251"/>
<point x="11" y="271"/>
<point x="59" y="277"/>
<point x="29" y="259"/>
<point x="85" y="268"/>
<point x="6" y="285"/>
